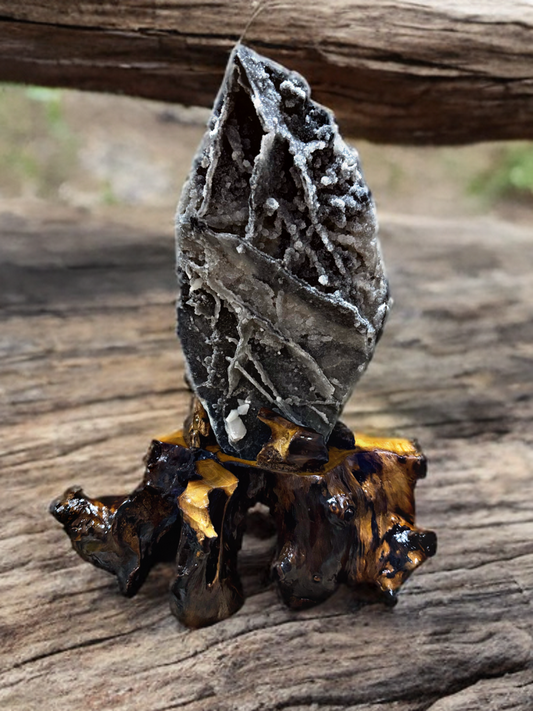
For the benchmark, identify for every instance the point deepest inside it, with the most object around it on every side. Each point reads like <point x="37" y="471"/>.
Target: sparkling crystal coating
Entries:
<point x="282" y="288"/>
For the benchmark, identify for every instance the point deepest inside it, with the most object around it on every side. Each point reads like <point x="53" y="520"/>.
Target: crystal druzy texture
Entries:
<point x="283" y="292"/>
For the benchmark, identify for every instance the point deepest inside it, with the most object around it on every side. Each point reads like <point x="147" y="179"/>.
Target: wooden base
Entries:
<point x="344" y="514"/>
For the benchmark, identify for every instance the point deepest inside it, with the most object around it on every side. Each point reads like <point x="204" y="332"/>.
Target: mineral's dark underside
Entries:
<point x="344" y="514"/>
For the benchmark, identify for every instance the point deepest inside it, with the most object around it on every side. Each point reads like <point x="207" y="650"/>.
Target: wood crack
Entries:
<point x="80" y="645"/>
<point x="471" y="682"/>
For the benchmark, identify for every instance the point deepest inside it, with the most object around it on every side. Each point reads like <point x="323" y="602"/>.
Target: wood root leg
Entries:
<point x="207" y="587"/>
<point x="118" y="534"/>
<point x="126" y="535"/>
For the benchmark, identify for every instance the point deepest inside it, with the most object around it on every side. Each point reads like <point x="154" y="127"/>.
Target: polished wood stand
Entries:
<point x="343" y="513"/>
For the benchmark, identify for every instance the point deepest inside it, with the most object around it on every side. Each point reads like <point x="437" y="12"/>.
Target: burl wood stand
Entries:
<point x="343" y="513"/>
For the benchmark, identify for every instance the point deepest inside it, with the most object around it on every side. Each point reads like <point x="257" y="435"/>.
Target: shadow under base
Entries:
<point x="344" y="513"/>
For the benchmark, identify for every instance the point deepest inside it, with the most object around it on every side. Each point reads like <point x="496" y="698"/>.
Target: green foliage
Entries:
<point x="108" y="196"/>
<point x="37" y="147"/>
<point x="51" y="101"/>
<point x="511" y="174"/>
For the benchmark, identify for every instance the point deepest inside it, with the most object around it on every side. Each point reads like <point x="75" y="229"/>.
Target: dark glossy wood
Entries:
<point x="342" y="516"/>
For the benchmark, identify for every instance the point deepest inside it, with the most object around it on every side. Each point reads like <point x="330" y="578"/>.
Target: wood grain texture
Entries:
<point x="91" y="370"/>
<point x="403" y="71"/>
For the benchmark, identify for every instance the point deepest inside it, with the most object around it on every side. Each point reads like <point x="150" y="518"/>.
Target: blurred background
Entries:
<point x="103" y="153"/>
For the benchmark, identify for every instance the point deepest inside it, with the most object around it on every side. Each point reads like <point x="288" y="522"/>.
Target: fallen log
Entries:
<point x="399" y="72"/>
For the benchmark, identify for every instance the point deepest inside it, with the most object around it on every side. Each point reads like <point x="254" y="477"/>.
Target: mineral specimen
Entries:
<point x="283" y="298"/>
<point x="283" y="293"/>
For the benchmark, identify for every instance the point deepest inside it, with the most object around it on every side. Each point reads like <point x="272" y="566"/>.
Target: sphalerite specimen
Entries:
<point x="283" y="292"/>
<point x="283" y="298"/>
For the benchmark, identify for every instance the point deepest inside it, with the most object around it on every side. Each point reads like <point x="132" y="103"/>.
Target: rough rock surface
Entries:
<point x="283" y="293"/>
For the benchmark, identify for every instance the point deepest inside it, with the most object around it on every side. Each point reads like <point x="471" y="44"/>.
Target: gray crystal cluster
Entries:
<point x="283" y="292"/>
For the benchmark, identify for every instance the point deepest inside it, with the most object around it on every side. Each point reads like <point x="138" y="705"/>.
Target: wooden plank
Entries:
<point x="91" y="370"/>
<point x="402" y="71"/>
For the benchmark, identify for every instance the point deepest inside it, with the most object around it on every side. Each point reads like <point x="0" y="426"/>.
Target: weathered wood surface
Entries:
<point x="91" y="369"/>
<point x="403" y="71"/>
